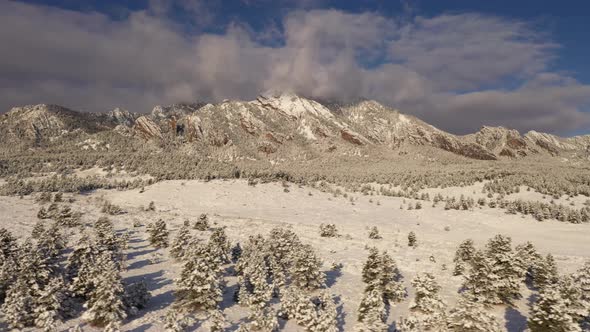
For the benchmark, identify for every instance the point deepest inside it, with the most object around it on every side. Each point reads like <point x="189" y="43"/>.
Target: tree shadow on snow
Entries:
<point x="515" y="321"/>
<point x="332" y="276"/>
<point x="340" y="314"/>
<point x="135" y="254"/>
<point x="153" y="281"/>
<point x="139" y="264"/>
<point x="141" y="328"/>
<point x="229" y="296"/>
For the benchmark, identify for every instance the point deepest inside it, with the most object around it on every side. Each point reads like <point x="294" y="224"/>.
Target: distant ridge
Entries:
<point x="283" y="123"/>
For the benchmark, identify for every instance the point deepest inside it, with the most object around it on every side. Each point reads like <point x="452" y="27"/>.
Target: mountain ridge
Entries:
<point x="275" y="122"/>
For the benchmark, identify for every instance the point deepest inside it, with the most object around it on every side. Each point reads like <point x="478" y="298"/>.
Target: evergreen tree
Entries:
<point x="427" y="305"/>
<point x="18" y="306"/>
<point x="43" y="214"/>
<point x="262" y="318"/>
<point x="374" y="233"/>
<point x="463" y="256"/>
<point x="81" y="266"/>
<point x="38" y="229"/>
<point x="314" y="313"/>
<point x="582" y="278"/>
<point x="8" y="273"/>
<point x="180" y="243"/>
<point x="51" y="242"/>
<point x="306" y="269"/>
<point x="48" y="306"/>
<point x="173" y="322"/>
<point x="570" y="290"/>
<point x="380" y="272"/>
<point x="136" y="297"/>
<point x="550" y="313"/>
<point x="219" y="245"/>
<point x="105" y="301"/>
<point x="198" y="285"/>
<point x="506" y="267"/>
<point x="470" y="316"/>
<point x="412" y="241"/>
<point x="253" y="281"/>
<point x="528" y="258"/>
<point x="545" y="273"/>
<point x="326" y="318"/>
<point x="202" y="224"/>
<point x="217" y="322"/>
<point x="8" y="245"/>
<point x="158" y="234"/>
<point x="481" y="281"/>
<point x="371" y="312"/>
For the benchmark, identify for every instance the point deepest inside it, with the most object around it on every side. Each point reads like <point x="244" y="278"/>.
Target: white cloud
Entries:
<point x="90" y="62"/>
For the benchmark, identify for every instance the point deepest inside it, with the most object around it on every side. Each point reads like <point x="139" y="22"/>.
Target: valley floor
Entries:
<point x="246" y="210"/>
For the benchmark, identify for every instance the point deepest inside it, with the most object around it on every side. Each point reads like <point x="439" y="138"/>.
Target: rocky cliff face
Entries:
<point x="276" y="122"/>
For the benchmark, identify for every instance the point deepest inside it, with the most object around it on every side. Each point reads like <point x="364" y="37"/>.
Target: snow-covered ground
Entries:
<point x="247" y="210"/>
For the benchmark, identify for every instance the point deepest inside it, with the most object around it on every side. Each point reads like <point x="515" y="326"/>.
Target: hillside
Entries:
<point x="277" y="126"/>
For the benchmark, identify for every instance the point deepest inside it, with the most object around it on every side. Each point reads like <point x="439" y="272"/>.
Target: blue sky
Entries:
<point x="457" y="64"/>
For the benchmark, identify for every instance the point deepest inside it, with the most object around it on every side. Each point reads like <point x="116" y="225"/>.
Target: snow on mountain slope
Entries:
<point x="284" y="123"/>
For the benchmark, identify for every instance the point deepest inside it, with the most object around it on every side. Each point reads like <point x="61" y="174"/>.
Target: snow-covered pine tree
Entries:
<point x="280" y="246"/>
<point x="33" y="267"/>
<point x="371" y="312"/>
<point x="18" y="305"/>
<point x="380" y="272"/>
<point x="202" y="224"/>
<point x="314" y="313"/>
<point x="216" y="320"/>
<point x="528" y="258"/>
<point x="372" y="267"/>
<point x="180" y="243"/>
<point x="136" y="297"/>
<point x="52" y="210"/>
<point x="38" y="229"/>
<point x="49" y="305"/>
<point x="506" y="267"/>
<point x="105" y="301"/>
<point x="8" y="245"/>
<point x="198" y="286"/>
<point x="327" y="314"/>
<point x="175" y="321"/>
<point x="427" y="304"/>
<point x="550" y="313"/>
<point x="374" y="233"/>
<point x="298" y="306"/>
<point x="412" y="241"/>
<point x="328" y="230"/>
<point x="80" y="267"/>
<point x="158" y="234"/>
<point x="570" y="290"/>
<point x="51" y="242"/>
<point x="8" y="273"/>
<point x="481" y="281"/>
<point x="306" y="269"/>
<point x="219" y="245"/>
<point x="263" y="318"/>
<point x="582" y="278"/>
<point x="463" y="256"/>
<point x="8" y="261"/>
<point x="43" y="214"/>
<point x="470" y="316"/>
<point x="253" y="281"/>
<point x="545" y="272"/>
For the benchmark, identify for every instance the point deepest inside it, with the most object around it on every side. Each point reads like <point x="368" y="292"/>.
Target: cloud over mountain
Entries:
<point x="457" y="71"/>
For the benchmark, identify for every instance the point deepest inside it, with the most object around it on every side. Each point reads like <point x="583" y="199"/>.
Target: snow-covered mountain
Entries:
<point x="280" y="123"/>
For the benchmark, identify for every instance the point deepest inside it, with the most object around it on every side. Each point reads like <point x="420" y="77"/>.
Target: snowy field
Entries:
<point x="246" y="210"/>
